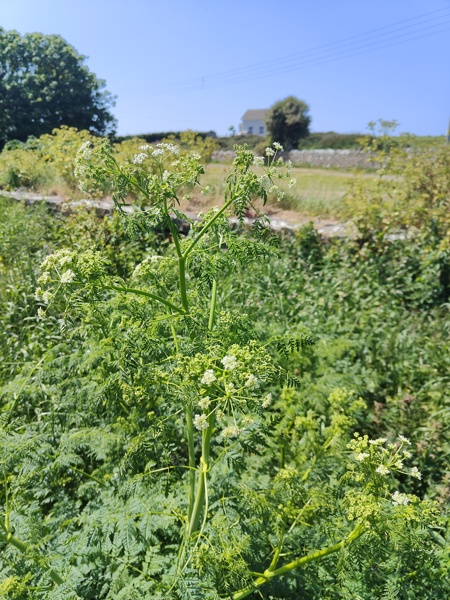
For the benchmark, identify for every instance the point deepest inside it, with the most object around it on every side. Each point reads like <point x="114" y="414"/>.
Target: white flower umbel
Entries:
<point x="259" y="161"/>
<point x="382" y="470"/>
<point x="204" y="402"/>
<point x="362" y="456"/>
<point x="229" y="362"/>
<point x="47" y="296"/>
<point x="139" y="158"/>
<point x="270" y="152"/>
<point x="230" y="432"/>
<point x="251" y="382"/>
<point x="399" y="498"/>
<point x="415" y="473"/>
<point x="404" y="439"/>
<point x="45" y="277"/>
<point x="201" y="422"/>
<point x="278" y="146"/>
<point x="378" y="442"/>
<point x="208" y="377"/>
<point x="267" y="401"/>
<point x="68" y="276"/>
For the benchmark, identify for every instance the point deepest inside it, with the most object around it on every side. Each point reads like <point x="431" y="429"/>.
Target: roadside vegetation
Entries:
<point x="227" y="414"/>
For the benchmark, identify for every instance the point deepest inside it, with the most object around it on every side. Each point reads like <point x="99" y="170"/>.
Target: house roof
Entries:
<point x="255" y="114"/>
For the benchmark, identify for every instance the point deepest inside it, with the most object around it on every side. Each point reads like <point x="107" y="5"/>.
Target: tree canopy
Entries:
<point x="288" y="121"/>
<point x="44" y="84"/>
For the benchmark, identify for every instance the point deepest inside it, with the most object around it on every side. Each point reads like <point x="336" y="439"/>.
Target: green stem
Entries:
<point x="127" y="290"/>
<point x="182" y="281"/>
<point x="269" y="574"/>
<point x="10" y="539"/>
<point x="276" y="554"/>
<point x="205" y="228"/>
<point x="203" y="469"/>
<point x="212" y="308"/>
<point x="191" y="451"/>
<point x="81" y="472"/>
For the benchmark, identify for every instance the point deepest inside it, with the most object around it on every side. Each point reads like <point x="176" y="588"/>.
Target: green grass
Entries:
<point x="317" y="192"/>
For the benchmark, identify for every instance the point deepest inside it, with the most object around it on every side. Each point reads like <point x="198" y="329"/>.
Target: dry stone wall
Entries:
<point x="326" y="159"/>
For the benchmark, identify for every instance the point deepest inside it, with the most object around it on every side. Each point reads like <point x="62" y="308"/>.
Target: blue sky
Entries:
<point x="200" y="64"/>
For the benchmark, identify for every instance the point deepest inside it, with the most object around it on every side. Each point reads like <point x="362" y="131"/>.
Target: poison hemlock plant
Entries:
<point x="202" y="472"/>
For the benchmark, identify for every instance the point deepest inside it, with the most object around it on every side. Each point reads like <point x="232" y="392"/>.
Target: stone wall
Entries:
<point x="326" y="159"/>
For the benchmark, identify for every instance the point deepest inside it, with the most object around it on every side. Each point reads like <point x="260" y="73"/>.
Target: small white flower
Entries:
<point x="362" y="456"/>
<point x="68" y="276"/>
<point x="139" y="158"/>
<point x="398" y="498"/>
<point x="399" y="464"/>
<point x="378" y="442"/>
<point x="406" y="454"/>
<point x="169" y="147"/>
<point x="230" y="432"/>
<point x="47" y="296"/>
<point x="201" y="422"/>
<point x="404" y="439"/>
<point x="229" y="362"/>
<point x="415" y="473"/>
<point x="278" y="146"/>
<point x="145" y="147"/>
<point x="158" y="152"/>
<point x="208" y="377"/>
<point x="38" y="293"/>
<point x="204" y="402"/>
<point x="220" y="415"/>
<point x="41" y="313"/>
<point x="267" y="401"/>
<point x="44" y="278"/>
<point x="382" y="470"/>
<point x="251" y="382"/>
<point x="229" y="388"/>
<point x="258" y="161"/>
<point x="270" y="151"/>
<point x="247" y="421"/>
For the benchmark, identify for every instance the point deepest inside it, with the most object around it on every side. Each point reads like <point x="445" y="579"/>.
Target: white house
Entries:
<point x="253" y="122"/>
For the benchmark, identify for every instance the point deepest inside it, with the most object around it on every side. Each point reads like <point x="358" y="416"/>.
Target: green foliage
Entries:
<point x="288" y="121"/>
<point x="171" y="430"/>
<point x="330" y="139"/>
<point x="44" y="84"/>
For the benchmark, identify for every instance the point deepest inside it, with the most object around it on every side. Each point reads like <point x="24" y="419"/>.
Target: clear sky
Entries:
<point x="200" y="64"/>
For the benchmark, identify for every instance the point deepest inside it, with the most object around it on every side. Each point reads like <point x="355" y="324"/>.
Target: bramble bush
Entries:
<point x="223" y="414"/>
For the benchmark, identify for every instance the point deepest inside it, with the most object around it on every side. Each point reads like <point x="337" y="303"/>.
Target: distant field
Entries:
<point x="318" y="192"/>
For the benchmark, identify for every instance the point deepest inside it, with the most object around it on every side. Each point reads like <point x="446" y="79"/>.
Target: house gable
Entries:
<point x="253" y="122"/>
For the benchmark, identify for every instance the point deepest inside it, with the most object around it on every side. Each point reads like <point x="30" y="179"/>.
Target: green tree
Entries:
<point x="44" y="84"/>
<point x="288" y="121"/>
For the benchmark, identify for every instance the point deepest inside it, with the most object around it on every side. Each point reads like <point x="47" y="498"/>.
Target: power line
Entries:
<point x="320" y="54"/>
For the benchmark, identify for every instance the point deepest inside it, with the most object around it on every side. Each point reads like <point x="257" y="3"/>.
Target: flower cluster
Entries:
<point x="379" y="459"/>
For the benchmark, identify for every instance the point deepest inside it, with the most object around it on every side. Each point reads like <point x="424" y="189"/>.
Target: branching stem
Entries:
<point x="295" y="564"/>
<point x="10" y="539"/>
<point x="128" y="290"/>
